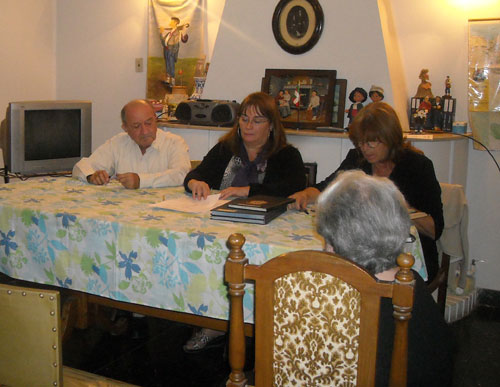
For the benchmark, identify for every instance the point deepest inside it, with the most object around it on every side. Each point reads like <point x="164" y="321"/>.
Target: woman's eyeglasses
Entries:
<point x="369" y="144"/>
<point x="256" y="120"/>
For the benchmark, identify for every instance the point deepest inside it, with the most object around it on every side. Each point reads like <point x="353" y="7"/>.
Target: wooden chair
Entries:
<point x="195" y="163"/>
<point x="316" y="319"/>
<point x="30" y="337"/>
<point x="440" y="282"/>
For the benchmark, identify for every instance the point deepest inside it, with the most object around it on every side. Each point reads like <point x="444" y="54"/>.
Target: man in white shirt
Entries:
<point x="142" y="157"/>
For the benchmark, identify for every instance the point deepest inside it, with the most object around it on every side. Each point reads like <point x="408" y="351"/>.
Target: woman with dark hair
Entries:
<point x="381" y="151"/>
<point x="364" y="219"/>
<point x="252" y="158"/>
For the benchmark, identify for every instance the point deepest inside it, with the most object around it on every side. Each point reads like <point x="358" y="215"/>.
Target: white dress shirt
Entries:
<point x="165" y="163"/>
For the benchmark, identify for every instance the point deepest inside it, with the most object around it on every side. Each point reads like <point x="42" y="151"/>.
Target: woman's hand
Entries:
<point x="426" y="226"/>
<point x="303" y="198"/>
<point x="199" y="189"/>
<point x="234" y="191"/>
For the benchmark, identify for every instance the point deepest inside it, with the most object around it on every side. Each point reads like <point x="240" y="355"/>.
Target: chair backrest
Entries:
<point x="30" y="350"/>
<point x="316" y="318"/>
<point x="311" y="172"/>
<point x="195" y="163"/>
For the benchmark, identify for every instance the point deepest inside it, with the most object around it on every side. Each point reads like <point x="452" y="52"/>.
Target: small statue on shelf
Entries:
<point x="376" y="93"/>
<point x="357" y="97"/>
<point x="447" y="87"/>
<point x="437" y="113"/>
<point x="424" y="89"/>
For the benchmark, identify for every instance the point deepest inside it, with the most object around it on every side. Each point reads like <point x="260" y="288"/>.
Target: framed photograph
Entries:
<point x="338" y="109"/>
<point x="297" y="24"/>
<point x="304" y="97"/>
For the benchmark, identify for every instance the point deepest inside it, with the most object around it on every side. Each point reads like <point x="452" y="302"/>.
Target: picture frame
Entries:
<point x="338" y="108"/>
<point x="297" y="25"/>
<point x="315" y="89"/>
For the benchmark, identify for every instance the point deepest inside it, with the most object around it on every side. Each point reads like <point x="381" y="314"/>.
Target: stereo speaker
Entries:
<point x="207" y="112"/>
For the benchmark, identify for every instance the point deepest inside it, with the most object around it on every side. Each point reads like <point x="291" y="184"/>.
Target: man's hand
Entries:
<point x="98" y="178"/>
<point x="234" y="191"/>
<point x="199" y="189"/>
<point x="129" y="180"/>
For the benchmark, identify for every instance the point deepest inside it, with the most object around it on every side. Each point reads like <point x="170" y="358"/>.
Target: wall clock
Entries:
<point x="297" y="24"/>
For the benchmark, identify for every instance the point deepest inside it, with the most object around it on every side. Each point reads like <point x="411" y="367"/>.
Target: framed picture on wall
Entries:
<point x="338" y="108"/>
<point x="304" y="97"/>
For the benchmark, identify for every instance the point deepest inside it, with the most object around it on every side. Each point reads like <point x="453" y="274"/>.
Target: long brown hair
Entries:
<point x="379" y="122"/>
<point x="265" y="105"/>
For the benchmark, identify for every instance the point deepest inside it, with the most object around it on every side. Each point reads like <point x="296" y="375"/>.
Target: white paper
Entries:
<point x="188" y="204"/>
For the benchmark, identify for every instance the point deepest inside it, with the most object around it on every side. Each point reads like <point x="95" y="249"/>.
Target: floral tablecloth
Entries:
<point x="108" y="241"/>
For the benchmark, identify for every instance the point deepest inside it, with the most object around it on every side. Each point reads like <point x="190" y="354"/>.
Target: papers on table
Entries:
<point x="188" y="204"/>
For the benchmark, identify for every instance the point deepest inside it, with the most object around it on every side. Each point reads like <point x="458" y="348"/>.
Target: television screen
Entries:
<point x="47" y="136"/>
<point x="51" y="134"/>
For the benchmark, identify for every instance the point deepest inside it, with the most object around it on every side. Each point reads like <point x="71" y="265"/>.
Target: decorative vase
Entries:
<point x="199" y="84"/>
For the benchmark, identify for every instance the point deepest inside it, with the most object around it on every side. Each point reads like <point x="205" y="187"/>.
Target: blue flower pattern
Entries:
<point x="182" y="269"/>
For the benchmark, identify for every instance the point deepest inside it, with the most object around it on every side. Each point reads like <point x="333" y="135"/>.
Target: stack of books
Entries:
<point x="259" y="209"/>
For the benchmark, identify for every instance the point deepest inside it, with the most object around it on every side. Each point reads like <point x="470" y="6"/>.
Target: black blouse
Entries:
<point x="285" y="172"/>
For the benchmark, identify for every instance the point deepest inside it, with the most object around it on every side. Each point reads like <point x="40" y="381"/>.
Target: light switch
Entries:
<point x="139" y="65"/>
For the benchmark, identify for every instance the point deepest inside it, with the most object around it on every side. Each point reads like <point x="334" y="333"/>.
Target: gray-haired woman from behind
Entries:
<point x="365" y="219"/>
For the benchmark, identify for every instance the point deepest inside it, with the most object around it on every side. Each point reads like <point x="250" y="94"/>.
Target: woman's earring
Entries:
<point x="239" y="131"/>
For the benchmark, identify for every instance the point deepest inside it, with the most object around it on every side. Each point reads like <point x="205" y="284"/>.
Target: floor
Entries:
<point x="150" y="353"/>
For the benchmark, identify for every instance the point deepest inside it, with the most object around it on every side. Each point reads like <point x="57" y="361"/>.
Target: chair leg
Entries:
<point x="443" y="287"/>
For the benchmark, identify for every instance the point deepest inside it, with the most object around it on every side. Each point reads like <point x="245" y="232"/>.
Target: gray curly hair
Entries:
<point x="364" y="219"/>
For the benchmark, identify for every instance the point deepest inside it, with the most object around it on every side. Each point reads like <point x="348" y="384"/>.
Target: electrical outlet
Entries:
<point x="139" y="66"/>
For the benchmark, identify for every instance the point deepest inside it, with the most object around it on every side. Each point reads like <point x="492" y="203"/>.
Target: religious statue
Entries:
<point x="424" y="89"/>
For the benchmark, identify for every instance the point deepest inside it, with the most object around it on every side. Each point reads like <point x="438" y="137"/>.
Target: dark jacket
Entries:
<point x="285" y="172"/>
<point x="430" y="342"/>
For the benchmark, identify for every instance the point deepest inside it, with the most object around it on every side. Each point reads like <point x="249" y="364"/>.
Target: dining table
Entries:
<point x="112" y="245"/>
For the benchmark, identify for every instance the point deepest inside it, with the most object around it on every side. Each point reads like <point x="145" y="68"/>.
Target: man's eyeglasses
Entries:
<point x="256" y="120"/>
<point x="369" y="144"/>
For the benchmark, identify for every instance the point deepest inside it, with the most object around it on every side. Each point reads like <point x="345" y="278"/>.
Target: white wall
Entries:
<point x="434" y="35"/>
<point x="97" y="41"/>
<point x="27" y="59"/>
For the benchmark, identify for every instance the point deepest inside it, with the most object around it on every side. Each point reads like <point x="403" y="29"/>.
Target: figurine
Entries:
<point x="437" y="113"/>
<point x="447" y="87"/>
<point x="376" y="93"/>
<point x="424" y="89"/>
<point x="425" y="104"/>
<point x="357" y="97"/>
<point x="426" y="107"/>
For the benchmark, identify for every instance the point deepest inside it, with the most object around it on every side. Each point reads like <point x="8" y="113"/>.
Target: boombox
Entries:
<point x="207" y="112"/>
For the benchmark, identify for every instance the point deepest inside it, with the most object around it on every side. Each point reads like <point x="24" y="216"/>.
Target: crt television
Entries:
<point x="47" y="136"/>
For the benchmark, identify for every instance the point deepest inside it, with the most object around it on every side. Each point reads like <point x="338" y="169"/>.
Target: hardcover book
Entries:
<point x="225" y="212"/>
<point x="261" y="203"/>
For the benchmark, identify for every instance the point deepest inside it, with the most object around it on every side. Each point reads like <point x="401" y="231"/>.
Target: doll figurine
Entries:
<point x="357" y="97"/>
<point x="376" y="93"/>
<point x="437" y="113"/>
<point x="424" y="89"/>
<point x="447" y="87"/>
